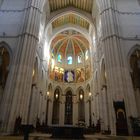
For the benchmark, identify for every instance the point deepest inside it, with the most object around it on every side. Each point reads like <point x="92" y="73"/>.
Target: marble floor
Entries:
<point x="37" y="136"/>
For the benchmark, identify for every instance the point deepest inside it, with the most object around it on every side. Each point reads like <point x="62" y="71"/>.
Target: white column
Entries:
<point x="117" y="82"/>
<point x="87" y="113"/>
<point x="105" y="107"/>
<point x="31" y="113"/>
<point x="17" y="96"/>
<point x="50" y="112"/>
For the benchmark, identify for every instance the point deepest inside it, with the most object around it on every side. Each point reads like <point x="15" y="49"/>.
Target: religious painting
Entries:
<point x="80" y="75"/>
<point x="87" y="72"/>
<point x="69" y="76"/>
<point x="59" y="72"/>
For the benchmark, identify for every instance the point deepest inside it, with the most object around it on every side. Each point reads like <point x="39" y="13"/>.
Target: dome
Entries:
<point x="70" y="57"/>
<point x="69" y="42"/>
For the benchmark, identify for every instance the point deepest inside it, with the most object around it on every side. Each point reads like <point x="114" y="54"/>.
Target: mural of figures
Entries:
<point x="57" y="74"/>
<point x="69" y="76"/>
<point x="87" y="72"/>
<point x="80" y="75"/>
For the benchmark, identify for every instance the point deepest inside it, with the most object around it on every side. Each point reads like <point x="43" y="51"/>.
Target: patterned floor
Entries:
<point x="87" y="137"/>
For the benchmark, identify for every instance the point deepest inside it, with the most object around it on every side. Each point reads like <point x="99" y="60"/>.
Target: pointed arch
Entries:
<point x="135" y="47"/>
<point x="56" y="106"/>
<point x="69" y="89"/>
<point x="4" y="66"/>
<point x="81" y="105"/>
<point x="6" y="45"/>
<point x="69" y="107"/>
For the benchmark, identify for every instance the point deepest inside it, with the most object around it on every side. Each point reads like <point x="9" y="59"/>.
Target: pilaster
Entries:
<point x="117" y="81"/>
<point x="22" y="68"/>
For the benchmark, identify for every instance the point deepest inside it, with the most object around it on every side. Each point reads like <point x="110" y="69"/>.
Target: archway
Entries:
<point x="81" y="107"/>
<point x="4" y="64"/>
<point x="55" y="117"/>
<point x="68" y="108"/>
<point x="135" y="75"/>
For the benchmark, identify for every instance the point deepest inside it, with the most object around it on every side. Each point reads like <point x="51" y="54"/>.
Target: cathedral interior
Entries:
<point x="70" y="63"/>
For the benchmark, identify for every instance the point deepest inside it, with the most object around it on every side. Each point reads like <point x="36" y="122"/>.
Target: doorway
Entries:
<point x="68" y="108"/>
<point x="121" y="120"/>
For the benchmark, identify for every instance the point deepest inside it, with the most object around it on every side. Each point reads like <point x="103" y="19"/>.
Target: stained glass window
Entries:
<point x="59" y="58"/>
<point x="80" y="59"/>
<point x="86" y="55"/>
<point x="69" y="60"/>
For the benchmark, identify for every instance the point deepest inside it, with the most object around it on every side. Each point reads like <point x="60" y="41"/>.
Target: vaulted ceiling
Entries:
<point x="69" y="42"/>
<point x="70" y="19"/>
<point x="85" y="5"/>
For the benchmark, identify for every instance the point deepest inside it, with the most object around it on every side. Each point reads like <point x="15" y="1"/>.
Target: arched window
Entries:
<point x="79" y="59"/>
<point x="69" y="60"/>
<point x="68" y="108"/>
<point x="4" y="63"/>
<point x="135" y="66"/>
<point x="135" y="75"/>
<point x="59" y="58"/>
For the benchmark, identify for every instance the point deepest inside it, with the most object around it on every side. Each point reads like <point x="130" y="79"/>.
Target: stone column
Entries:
<point x="105" y="108"/>
<point x="17" y="95"/>
<point x="118" y="84"/>
<point x="32" y="106"/>
<point x="101" y="111"/>
<point x="87" y="113"/>
<point x="35" y="105"/>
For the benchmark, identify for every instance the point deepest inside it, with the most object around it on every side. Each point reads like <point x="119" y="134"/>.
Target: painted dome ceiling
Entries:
<point x="69" y="42"/>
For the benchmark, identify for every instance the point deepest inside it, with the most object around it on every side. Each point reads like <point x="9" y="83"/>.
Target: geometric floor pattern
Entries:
<point x="87" y="137"/>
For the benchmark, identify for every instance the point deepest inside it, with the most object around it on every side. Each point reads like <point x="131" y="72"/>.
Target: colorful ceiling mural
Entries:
<point x="69" y="42"/>
<point x="85" y="5"/>
<point x="70" y="19"/>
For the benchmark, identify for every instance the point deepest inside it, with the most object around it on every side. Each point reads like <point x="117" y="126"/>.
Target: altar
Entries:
<point x="72" y="132"/>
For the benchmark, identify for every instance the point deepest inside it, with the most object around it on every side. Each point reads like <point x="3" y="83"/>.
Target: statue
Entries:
<point x="70" y="76"/>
